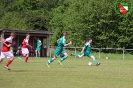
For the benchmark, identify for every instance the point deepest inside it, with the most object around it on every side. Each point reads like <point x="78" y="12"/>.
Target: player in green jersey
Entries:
<point x="38" y="48"/>
<point x="86" y="51"/>
<point x="59" y="50"/>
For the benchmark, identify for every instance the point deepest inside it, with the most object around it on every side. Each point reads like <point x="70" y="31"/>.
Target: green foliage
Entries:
<point x="23" y="14"/>
<point x="82" y="19"/>
<point x="95" y="19"/>
<point x="13" y="21"/>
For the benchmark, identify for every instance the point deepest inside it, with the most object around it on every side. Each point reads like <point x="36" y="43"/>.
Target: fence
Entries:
<point x="98" y="49"/>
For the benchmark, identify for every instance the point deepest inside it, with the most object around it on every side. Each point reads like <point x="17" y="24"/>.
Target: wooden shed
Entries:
<point x="20" y="35"/>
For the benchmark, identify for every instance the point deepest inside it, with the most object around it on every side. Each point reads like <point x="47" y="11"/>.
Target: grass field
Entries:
<point x="112" y="73"/>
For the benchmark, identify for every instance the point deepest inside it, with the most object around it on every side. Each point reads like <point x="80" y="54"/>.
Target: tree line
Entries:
<point x="82" y="19"/>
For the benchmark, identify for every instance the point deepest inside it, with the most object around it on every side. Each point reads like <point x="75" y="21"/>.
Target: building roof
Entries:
<point x="28" y="31"/>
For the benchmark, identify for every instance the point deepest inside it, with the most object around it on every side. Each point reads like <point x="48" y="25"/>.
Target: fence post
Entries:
<point x="75" y="51"/>
<point x="123" y="54"/>
<point x="99" y="53"/>
<point x="50" y="52"/>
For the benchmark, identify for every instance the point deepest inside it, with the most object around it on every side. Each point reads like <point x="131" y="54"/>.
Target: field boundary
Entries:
<point x="99" y="50"/>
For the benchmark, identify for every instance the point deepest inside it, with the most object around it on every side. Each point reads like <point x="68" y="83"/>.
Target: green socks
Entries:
<point x="63" y="58"/>
<point x="50" y="61"/>
<point x="76" y="55"/>
<point x="95" y="61"/>
<point x="20" y="56"/>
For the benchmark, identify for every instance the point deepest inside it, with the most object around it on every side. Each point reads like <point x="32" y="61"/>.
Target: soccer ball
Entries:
<point x="89" y="64"/>
<point x="107" y="58"/>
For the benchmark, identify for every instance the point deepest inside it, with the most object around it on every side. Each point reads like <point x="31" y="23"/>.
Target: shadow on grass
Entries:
<point x="69" y="67"/>
<point x="19" y="70"/>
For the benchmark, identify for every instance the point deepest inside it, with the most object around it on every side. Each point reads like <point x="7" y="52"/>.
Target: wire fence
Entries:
<point x="99" y="51"/>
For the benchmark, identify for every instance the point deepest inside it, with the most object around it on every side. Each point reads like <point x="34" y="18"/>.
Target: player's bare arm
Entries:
<point x="13" y="43"/>
<point x="68" y="43"/>
<point x="29" y="45"/>
<point x="2" y="40"/>
<point x="57" y="41"/>
<point x="40" y="45"/>
<point x="7" y="45"/>
<point x="83" y="49"/>
<point x="17" y="51"/>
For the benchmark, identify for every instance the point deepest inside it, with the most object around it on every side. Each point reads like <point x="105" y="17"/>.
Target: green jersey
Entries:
<point x="61" y="43"/>
<point x="39" y="43"/>
<point x="87" y="48"/>
<point x="59" y="49"/>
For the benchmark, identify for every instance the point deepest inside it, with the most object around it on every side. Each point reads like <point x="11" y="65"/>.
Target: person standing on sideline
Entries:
<point x="5" y="52"/>
<point x="38" y="48"/>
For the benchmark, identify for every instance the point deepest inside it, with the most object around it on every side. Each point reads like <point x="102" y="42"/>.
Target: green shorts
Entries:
<point x="38" y="49"/>
<point x="87" y="54"/>
<point x="58" y="52"/>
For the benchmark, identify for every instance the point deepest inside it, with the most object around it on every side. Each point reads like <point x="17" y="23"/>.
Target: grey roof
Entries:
<point x="28" y="31"/>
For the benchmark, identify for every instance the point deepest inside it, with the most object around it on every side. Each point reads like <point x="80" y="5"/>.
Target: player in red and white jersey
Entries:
<point x="25" y="46"/>
<point x="5" y="52"/>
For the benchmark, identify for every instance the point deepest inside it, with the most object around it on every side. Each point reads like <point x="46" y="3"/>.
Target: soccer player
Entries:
<point x="86" y="51"/>
<point x="19" y="52"/>
<point x="5" y="52"/>
<point x="38" y="48"/>
<point x="25" y="46"/>
<point x="59" y="50"/>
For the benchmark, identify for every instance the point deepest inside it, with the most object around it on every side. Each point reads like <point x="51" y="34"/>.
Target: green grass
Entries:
<point x="112" y="73"/>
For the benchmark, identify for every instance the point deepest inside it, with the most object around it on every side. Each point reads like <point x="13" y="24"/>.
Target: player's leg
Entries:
<point x="36" y="52"/>
<point x="57" y="52"/>
<point x="76" y="55"/>
<point x="19" y="55"/>
<point x="94" y="60"/>
<point x="23" y="52"/>
<point x="11" y="56"/>
<point x="26" y="55"/>
<point x="39" y="53"/>
<point x="64" y="57"/>
<point x="2" y="56"/>
<point x="26" y="58"/>
<point x="50" y="61"/>
<point x="1" y="59"/>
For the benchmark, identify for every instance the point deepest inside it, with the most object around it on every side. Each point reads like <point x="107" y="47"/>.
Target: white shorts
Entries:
<point x="25" y="51"/>
<point x="6" y="54"/>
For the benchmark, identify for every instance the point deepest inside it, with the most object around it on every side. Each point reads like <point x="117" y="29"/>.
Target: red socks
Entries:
<point x="9" y="62"/>
<point x="26" y="59"/>
<point x="21" y="53"/>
